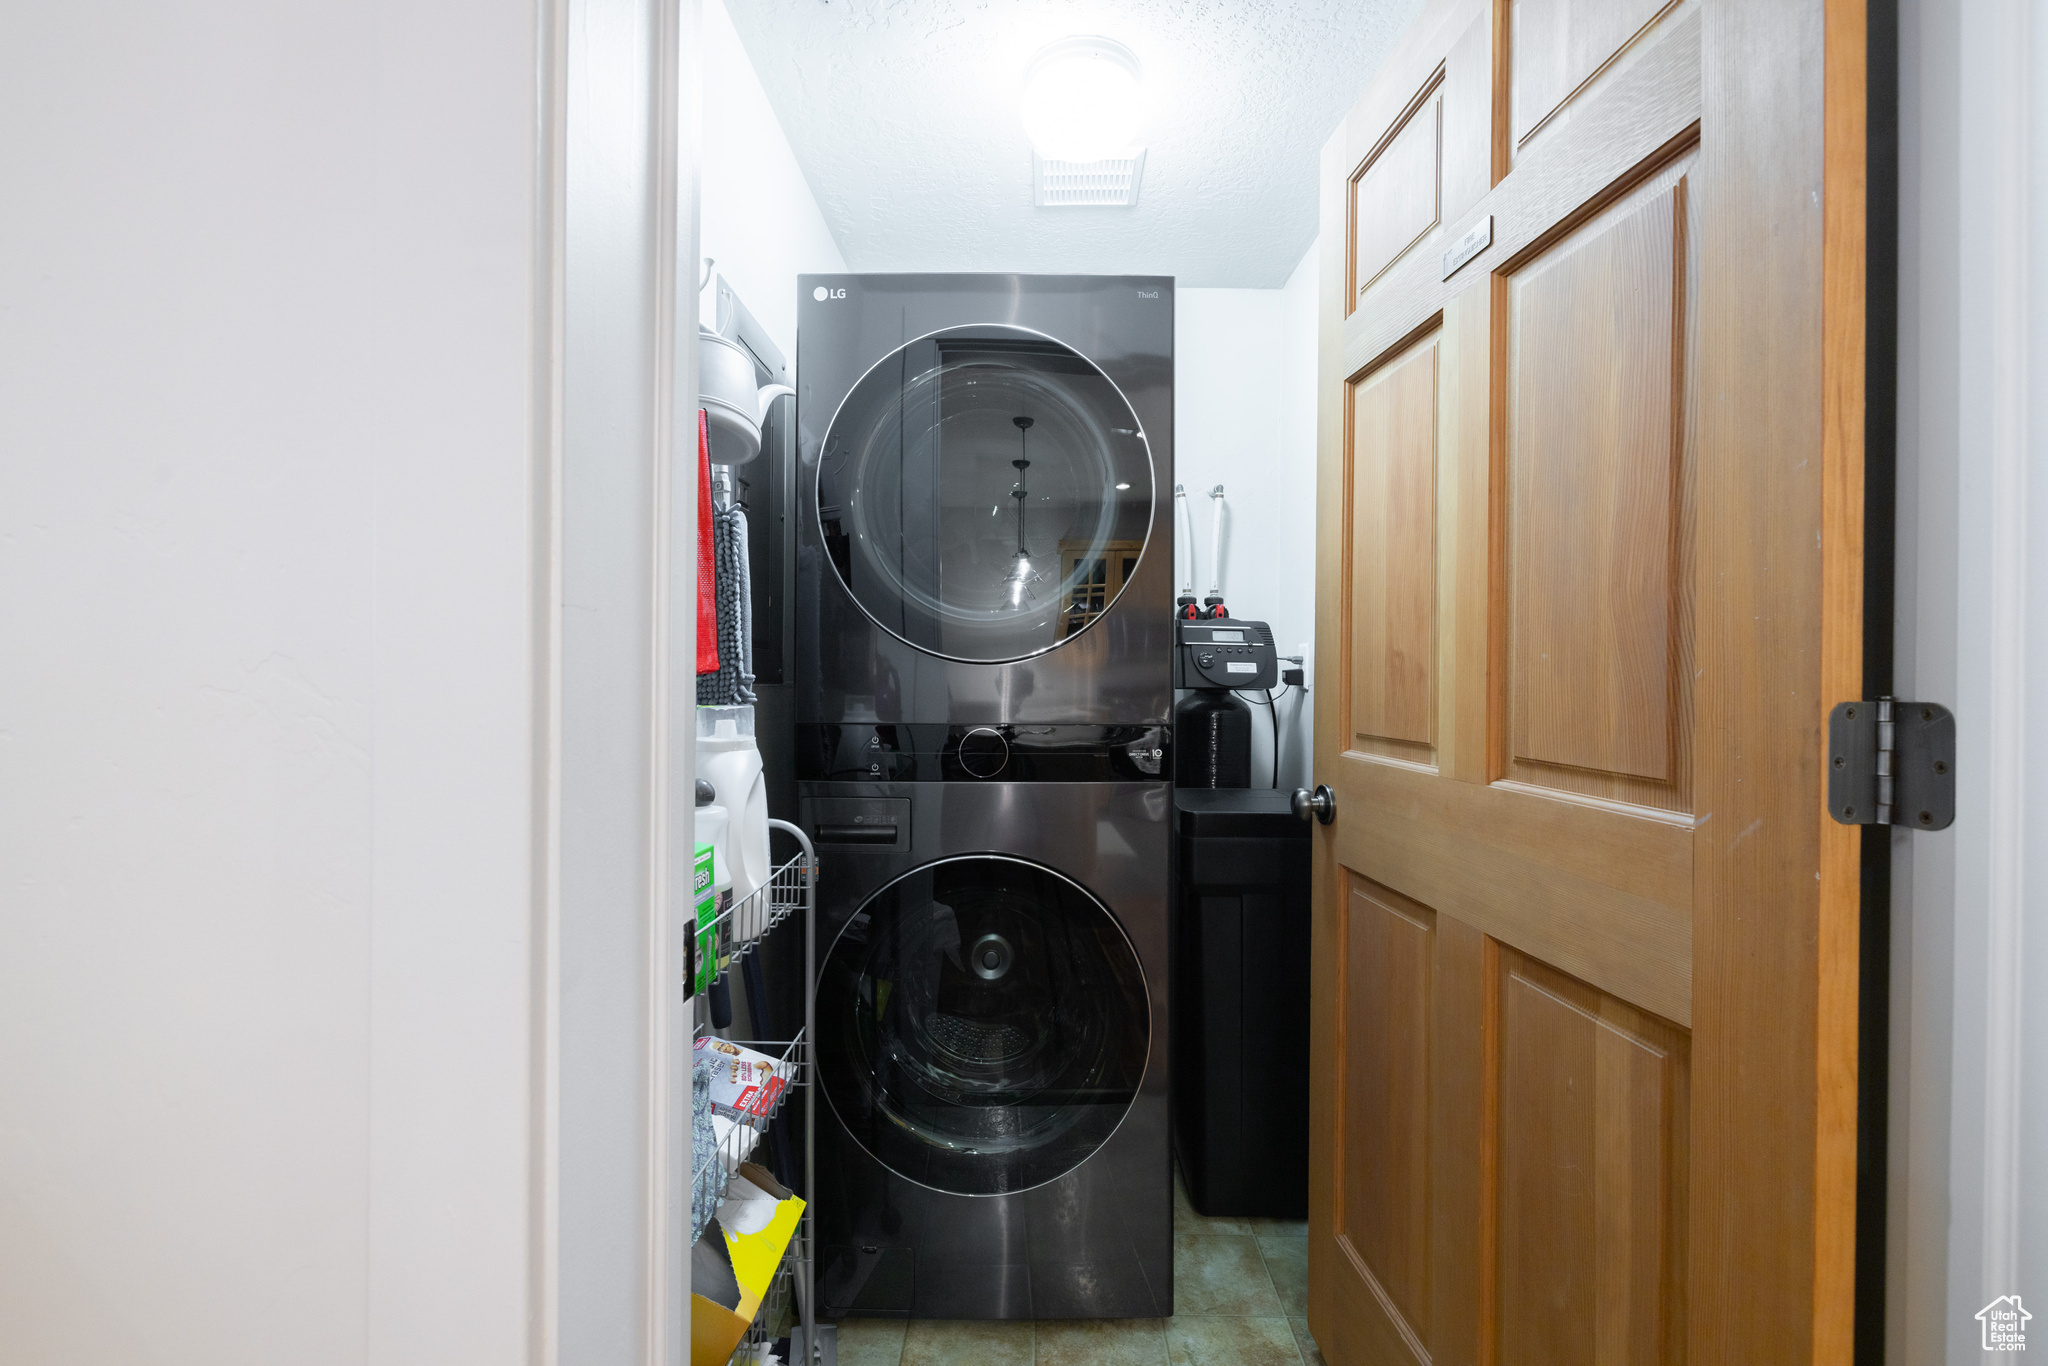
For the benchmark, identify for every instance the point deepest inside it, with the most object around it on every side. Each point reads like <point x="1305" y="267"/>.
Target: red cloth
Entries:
<point x="707" y="559"/>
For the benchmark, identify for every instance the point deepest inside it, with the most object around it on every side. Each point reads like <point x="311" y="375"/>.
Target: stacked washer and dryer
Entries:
<point x="983" y="701"/>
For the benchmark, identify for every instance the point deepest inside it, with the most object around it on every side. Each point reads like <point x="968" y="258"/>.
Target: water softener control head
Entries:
<point x="1224" y="653"/>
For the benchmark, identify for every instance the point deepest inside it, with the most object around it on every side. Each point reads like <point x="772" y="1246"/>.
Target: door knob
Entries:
<point x="1320" y="805"/>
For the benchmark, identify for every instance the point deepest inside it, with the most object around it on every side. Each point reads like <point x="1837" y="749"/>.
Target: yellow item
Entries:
<point x="751" y="1259"/>
<point x="756" y="1255"/>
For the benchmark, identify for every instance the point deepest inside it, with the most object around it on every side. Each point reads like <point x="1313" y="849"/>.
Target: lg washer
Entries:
<point x="992" y="1048"/>
<point x="984" y="628"/>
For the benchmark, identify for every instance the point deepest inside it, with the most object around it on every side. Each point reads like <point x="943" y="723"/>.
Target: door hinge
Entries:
<point x="1892" y="763"/>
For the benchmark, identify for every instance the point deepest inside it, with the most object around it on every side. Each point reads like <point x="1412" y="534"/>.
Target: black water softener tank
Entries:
<point x="1212" y="725"/>
<point x="1240" y="884"/>
<point x="1212" y="741"/>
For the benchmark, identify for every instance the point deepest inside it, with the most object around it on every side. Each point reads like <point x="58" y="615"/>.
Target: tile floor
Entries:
<point x="1240" y="1293"/>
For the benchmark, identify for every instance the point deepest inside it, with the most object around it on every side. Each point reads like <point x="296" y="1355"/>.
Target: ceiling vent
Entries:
<point x="1111" y="182"/>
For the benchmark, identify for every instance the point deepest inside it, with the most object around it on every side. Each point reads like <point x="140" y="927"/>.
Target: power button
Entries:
<point x="984" y="752"/>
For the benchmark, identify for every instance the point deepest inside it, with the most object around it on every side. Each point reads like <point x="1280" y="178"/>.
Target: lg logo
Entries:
<point x="821" y="294"/>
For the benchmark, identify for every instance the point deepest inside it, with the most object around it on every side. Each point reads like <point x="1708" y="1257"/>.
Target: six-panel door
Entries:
<point x="1509" y="537"/>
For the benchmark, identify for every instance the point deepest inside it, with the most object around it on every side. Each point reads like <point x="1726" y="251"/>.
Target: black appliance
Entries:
<point x="993" y="1032"/>
<point x="1225" y="654"/>
<point x="1242" y="906"/>
<point x="985" y="529"/>
<point x="982" y="663"/>
<point x="1212" y="725"/>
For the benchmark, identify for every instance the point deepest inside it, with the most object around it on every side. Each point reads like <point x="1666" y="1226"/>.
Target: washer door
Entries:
<point x="983" y="1025"/>
<point x="985" y="493"/>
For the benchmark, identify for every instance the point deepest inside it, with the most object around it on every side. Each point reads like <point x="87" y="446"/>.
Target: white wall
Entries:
<point x="268" y="461"/>
<point x="1244" y="417"/>
<point x="760" y="221"/>
<point x="1968" y="1215"/>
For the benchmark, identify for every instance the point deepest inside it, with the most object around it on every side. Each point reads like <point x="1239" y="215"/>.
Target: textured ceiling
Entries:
<point x="903" y="115"/>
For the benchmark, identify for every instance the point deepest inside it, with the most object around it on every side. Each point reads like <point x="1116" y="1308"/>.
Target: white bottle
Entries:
<point x="729" y="761"/>
<point x="710" y="828"/>
<point x="714" y="827"/>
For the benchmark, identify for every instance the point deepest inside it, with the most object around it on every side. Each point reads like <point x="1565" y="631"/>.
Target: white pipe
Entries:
<point x="1183" y="513"/>
<point x="1216" y="544"/>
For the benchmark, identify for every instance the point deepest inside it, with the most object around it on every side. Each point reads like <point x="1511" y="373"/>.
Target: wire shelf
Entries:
<point x="709" y="1182"/>
<point x="789" y="1307"/>
<point x="739" y="927"/>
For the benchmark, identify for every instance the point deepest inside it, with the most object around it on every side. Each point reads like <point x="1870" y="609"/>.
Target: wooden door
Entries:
<point x="1108" y="568"/>
<point x="1589" y="556"/>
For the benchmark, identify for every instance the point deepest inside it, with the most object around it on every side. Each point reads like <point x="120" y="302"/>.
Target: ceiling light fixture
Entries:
<point x="1084" y="100"/>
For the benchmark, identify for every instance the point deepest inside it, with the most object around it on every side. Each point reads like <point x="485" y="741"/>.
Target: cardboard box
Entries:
<point x="734" y="1263"/>
<point x="745" y="1085"/>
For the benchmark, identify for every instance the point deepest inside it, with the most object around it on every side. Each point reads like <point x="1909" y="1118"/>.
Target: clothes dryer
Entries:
<point x="983" y="510"/>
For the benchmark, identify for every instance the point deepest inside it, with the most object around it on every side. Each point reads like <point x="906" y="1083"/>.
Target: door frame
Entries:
<point x="617" y="90"/>
<point x="1967" y="1063"/>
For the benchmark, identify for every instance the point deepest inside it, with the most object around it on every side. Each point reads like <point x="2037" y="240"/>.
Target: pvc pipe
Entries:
<point x="1184" y="513"/>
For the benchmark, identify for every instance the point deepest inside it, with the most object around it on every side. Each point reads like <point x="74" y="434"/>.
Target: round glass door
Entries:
<point x="985" y="493"/>
<point x="982" y="1025"/>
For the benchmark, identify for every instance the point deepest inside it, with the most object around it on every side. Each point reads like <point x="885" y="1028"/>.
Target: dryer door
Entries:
<point x="985" y="493"/>
<point x="983" y="1025"/>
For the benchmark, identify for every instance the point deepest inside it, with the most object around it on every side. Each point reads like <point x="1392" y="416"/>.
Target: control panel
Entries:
<point x="1225" y="652"/>
<point x="918" y="753"/>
